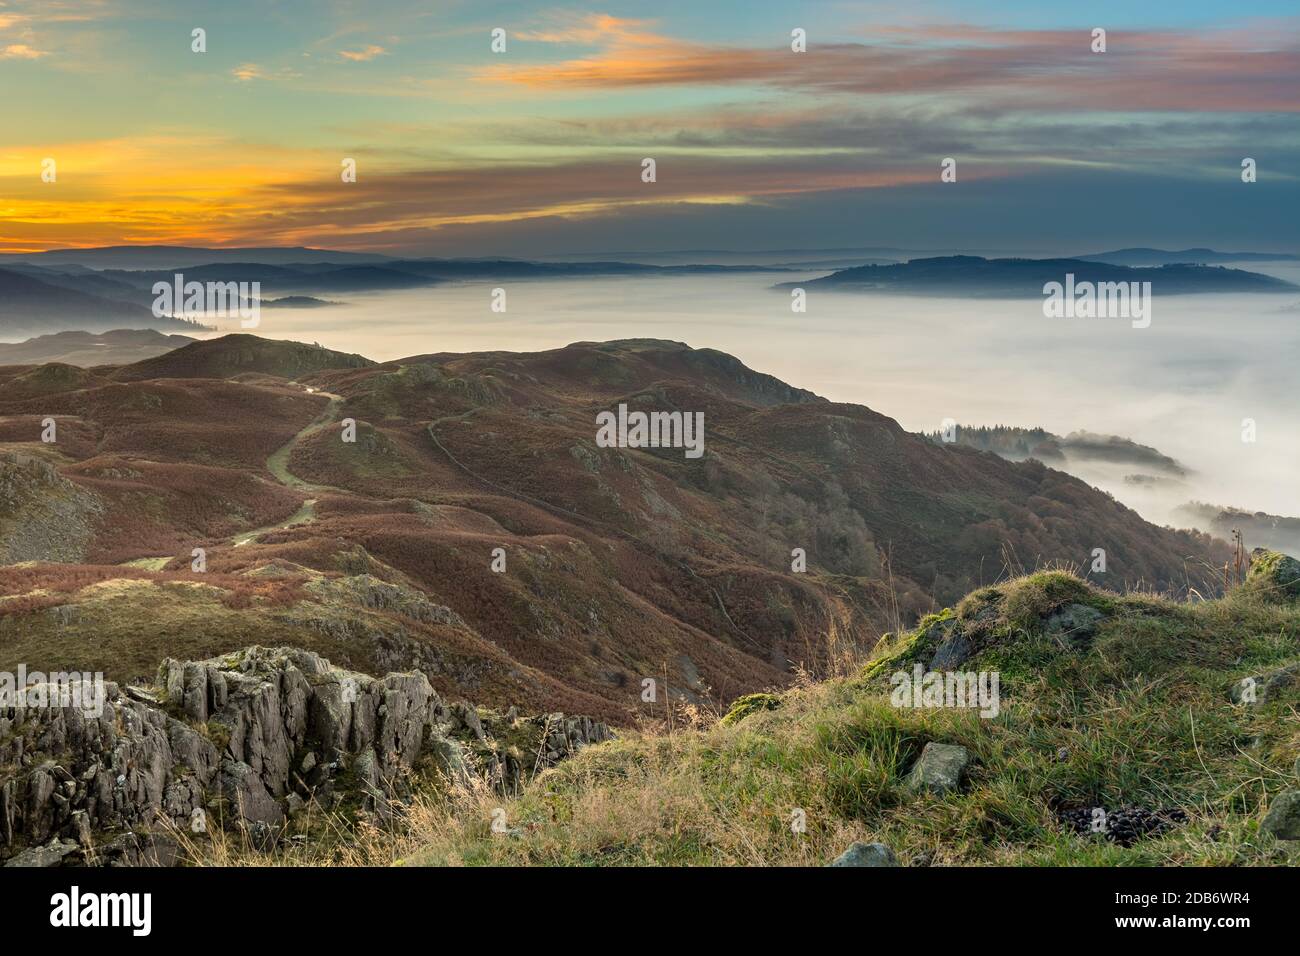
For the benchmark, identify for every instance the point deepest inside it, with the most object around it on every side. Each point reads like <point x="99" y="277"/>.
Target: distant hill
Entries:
<point x="297" y="302"/>
<point x="132" y="288"/>
<point x="277" y="279"/>
<point x="233" y="355"/>
<point x="31" y="307"/>
<point x="87" y="349"/>
<point x="1260" y="529"/>
<point x="171" y="257"/>
<point x="1019" y="444"/>
<point x="1163" y="257"/>
<point x="1022" y="278"/>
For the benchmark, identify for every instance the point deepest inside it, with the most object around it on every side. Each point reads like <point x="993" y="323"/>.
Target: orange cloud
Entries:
<point x="364" y="54"/>
<point x="1237" y="70"/>
<point x="20" y="51"/>
<point x="293" y="197"/>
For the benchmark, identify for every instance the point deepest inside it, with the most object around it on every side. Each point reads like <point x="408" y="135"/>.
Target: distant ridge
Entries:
<point x="1023" y="278"/>
<point x="88" y="349"/>
<point x="170" y="257"/>
<point x="30" y="307"/>
<point x="1161" y="257"/>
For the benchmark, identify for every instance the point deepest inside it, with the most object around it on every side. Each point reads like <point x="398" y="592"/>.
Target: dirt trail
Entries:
<point x="278" y="466"/>
<point x="278" y="463"/>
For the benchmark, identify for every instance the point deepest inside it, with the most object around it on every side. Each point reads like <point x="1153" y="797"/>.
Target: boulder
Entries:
<point x="51" y="854"/>
<point x="748" y="704"/>
<point x="1275" y="574"/>
<point x="1283" y="817"/>
<point x="866" y="854"/>
<point x="1076" y="622"/>
<point x="1259" y="688"/>
<point x="939" y="769"/>
<point x="954" y="649"/>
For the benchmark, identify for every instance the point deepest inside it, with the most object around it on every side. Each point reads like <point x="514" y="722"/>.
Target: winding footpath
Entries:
<point x="278" y="466"/>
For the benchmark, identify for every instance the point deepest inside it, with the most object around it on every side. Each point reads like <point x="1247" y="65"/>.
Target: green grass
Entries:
<point x="1138" y="714"/>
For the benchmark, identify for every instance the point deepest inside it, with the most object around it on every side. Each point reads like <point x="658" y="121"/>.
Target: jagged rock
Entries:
<point x="939" y="769"/>
<point x="51" y="854"/>
<point x="366" y="590"/>
<point x="466" y="716"/>
<point x="866" y="854"/>
<point x="451" y="760"/>
<point x="248" y="797"/>
<point x="139" y="849"/>
<point x="1283" y="817"/>
<point x="233" y="729"/>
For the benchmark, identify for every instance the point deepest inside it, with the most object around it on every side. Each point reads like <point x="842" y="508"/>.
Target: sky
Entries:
<point x="539" y="149"/>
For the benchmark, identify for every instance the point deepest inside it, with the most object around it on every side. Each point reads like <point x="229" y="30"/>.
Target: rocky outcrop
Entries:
<point x="246" y="740"/>
<point x="43" y="516"/>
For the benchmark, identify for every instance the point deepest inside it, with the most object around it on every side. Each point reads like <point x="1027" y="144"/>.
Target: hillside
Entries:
<point x="1124" y="736"/>
<point x="234" y="355"/>
<point x="1127" y="705"/>
<point x="614" y="565"/>
<point x="1102" y="730"/>
<point x="1016" y="278"/>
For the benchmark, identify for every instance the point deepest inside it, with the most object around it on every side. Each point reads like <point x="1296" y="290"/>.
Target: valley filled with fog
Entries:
<point x="1184" y="385"/>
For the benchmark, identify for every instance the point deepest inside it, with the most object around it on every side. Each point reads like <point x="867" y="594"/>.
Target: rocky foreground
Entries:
<point x="1128" y="730"/>
<point x="247" y="741"/>
<point x="1121" y="730"/>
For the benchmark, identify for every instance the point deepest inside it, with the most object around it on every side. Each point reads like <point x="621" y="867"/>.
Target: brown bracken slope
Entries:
<point x="621" y="565"/>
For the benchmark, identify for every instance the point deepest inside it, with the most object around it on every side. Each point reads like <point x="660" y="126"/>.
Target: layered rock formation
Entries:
<point x="247" y="740"/>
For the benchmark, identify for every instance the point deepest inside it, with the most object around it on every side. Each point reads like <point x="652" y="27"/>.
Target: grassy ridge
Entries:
<point x="1131" y="710"/>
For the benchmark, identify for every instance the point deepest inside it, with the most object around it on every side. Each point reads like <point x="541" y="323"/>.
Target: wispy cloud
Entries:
<point x="1239" y="69"/>
<point x="21" y="51"/>
<point x="364" y="54"/>
<point x="553" y="134"/>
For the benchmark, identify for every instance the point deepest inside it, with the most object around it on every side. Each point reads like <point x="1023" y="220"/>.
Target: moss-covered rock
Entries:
<point x="1283" y="819"/>
<point x="1274" y="574"/>
<point x="742" y="707"/>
